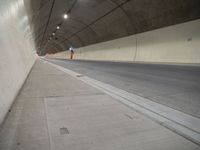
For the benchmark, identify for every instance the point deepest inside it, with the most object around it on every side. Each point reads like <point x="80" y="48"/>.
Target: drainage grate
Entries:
<point x="64" y="131"/>
<point x="79" y="75"/>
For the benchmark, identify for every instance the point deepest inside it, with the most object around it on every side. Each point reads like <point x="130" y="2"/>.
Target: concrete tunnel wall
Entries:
<point x="17" y="51"/>
<point x="174" y="44"/>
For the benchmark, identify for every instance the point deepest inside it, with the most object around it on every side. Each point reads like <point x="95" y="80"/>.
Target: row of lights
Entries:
<point x="65" y="16"/>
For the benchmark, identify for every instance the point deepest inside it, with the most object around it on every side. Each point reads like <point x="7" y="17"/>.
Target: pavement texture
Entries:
<point x="55" y="111"/>
<point x="174" y="86"/>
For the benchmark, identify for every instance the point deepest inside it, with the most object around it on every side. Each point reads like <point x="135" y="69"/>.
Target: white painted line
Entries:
<point x="184" y="124"/>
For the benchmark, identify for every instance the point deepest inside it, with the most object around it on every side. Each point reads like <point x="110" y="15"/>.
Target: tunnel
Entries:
<point x="100" y="74"/>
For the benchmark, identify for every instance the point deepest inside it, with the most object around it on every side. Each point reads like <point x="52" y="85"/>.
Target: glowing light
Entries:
<point x="65" y="16"/>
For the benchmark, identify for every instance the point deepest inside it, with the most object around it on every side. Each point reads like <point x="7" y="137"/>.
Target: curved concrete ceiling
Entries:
<point x="93" y="21"/>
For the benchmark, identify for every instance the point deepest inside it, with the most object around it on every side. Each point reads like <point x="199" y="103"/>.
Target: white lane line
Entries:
<point x="184" y="124"/>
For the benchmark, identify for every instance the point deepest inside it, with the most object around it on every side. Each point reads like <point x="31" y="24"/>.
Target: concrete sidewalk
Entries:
<point x="55" y="111"/>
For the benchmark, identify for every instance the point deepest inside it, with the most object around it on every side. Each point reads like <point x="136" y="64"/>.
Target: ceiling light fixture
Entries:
<point x="58" y="27"/>
<point x="65" y="16"/>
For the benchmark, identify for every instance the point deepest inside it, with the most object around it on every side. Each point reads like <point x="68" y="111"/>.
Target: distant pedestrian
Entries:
<point x="72" y="52"/>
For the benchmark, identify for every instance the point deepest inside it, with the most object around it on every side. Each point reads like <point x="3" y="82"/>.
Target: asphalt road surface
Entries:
<point x="177" y="87"/>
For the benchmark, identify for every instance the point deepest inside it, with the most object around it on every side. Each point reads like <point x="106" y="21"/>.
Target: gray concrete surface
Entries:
<point x="55" y="111"/>
<point x="17" y="51"/>
<point x="181" y="123"/>
<point x="174" y="86"/>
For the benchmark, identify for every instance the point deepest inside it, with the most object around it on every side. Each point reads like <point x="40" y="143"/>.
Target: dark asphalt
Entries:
<point x="175" y="86"/>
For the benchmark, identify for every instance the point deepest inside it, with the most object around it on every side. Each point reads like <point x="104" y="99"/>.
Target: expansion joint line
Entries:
<point x="50" y="13"/>
<point x="109" y="12"/>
